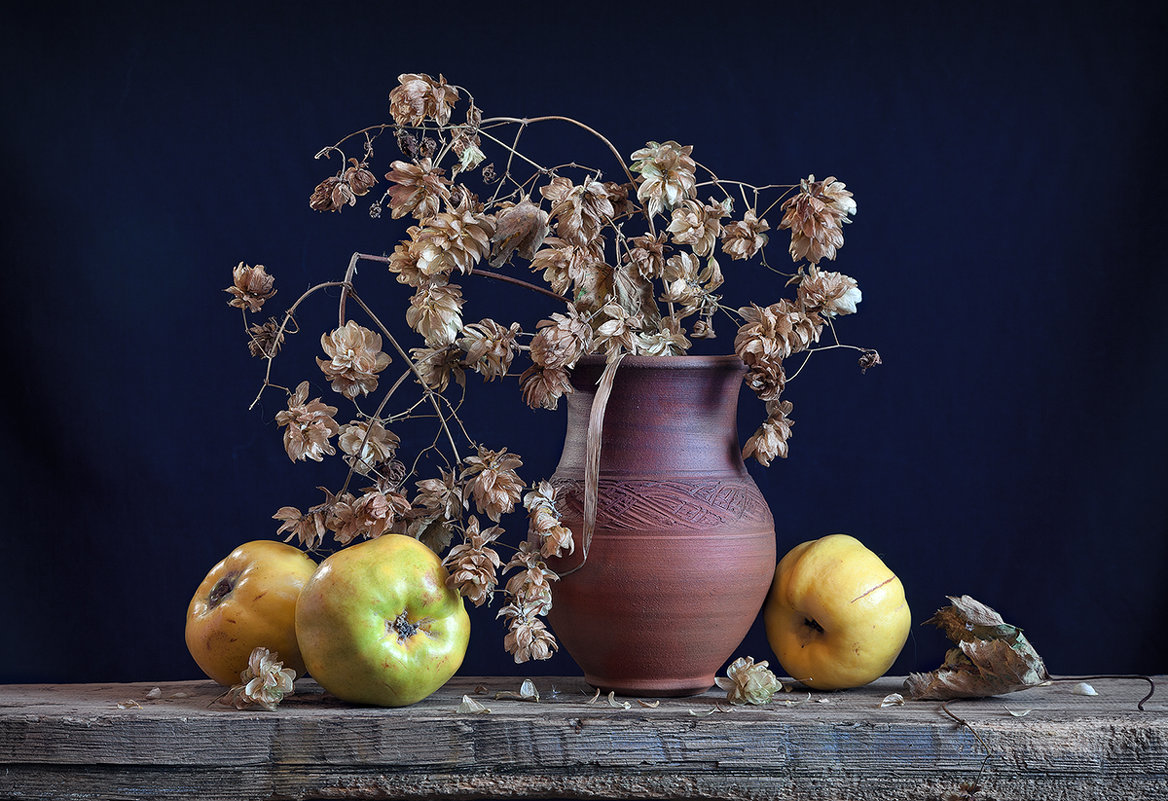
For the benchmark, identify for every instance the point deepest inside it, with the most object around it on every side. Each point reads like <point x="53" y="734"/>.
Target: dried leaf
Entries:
<point x="1083" y="688"/>
<point x="480" y="689"/>
<point x="991" y="658"/>
<point x="593" y="699"/>
<point x="471" y="706"/>
<point x="527" y="692"/>
<point x="892" y="699"/>
<point x="155" y="693"/>
<point x="649" y="704"/>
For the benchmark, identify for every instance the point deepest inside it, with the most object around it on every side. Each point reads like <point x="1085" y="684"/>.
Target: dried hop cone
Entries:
<point x="359" y="178"/>
<point x="770" y="440"/>
<point x="561" y="340"/>
<point x="265" y="339"/>
<point x="367" y="443"/>
<point x="489" y="347"/>
<point x="332" y="194"/>
<point x="265" y="682"/>
<point x="667" y="175"/>
<point x="419" y="96"/>
<point x="472" y="566"/>
<point x="519" y="229"/>
<point x="815" y="215"/>
<point x="745" y="238"/>
<point x="417" y="189"/>
<point x="542" y="387"/>
<point x="354" y="359"/>
<point x="435" y="312"/>
<point x="749" y="683"/>
<point x="251" y="286"/>
<point x="828" y="293"/>
<point x="527" y="636"/>
<point x="308" y="426"/>
<point x="492" y="482"/>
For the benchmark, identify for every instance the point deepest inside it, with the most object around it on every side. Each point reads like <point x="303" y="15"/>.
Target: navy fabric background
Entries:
<point x="1008" y="168"/>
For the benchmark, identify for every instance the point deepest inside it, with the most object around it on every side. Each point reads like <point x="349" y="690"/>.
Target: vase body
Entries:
<point x="683" y="550"/>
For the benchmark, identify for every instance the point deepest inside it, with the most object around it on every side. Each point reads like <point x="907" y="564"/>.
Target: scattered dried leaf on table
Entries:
<point x="892" y="699"/>
<point x="617" y="704"/>
<point x="648" y="704"/>
<point x="471" y="706"/>
<point x="527" y="692"/>
<point x="1083" y="688"/>
<point x="991" y="658"/>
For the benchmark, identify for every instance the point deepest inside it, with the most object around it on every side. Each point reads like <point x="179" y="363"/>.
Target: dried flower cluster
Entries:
<point x="749" y="683"/>
<point x="638" y="265"/>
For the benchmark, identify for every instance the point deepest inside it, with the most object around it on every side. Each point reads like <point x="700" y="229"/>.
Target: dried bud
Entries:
<point x="870" y="358"/>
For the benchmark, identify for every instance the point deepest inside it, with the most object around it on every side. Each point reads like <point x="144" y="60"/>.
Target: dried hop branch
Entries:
<point x="308" y="427"/>
<point x="749" y="683"/>
<point x="251" y="287"/>
<point x="265" y="682"/>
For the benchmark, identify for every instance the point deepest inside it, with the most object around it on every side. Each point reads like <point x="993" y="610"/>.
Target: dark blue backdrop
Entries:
<point x="1009" y="243"/>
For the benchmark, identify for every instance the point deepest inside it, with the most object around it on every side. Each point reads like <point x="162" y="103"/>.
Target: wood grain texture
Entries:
<point x="110" y="741"/>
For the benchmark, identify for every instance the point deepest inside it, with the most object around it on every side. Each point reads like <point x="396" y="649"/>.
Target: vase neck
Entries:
<point x="665" y="415"/>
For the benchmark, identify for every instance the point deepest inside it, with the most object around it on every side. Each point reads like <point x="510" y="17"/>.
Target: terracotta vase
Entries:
<point x="683" y="550"/>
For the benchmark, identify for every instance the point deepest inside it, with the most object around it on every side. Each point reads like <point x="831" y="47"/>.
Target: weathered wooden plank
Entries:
<point x="111" y="741"/>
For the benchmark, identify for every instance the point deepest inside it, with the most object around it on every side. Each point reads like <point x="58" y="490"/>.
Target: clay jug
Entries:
<point x="683" y="550"/>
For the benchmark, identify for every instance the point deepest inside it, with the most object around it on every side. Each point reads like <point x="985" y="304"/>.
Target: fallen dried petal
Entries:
<point x="155" y="693"/>
<point x="471" y="706"/>
<point x="1018" y="713"/>
<point x="892" y="699"/>
<point x="129" y="704"/>
<point x="650" y="705"/>
<point x="823" y="700"/>
<point x="1083" y="688"/>
<point x="701" y="714"/>
<point x="480" y="689"/>
<point x="592" y="700"/>
<point x="617" y="704"/>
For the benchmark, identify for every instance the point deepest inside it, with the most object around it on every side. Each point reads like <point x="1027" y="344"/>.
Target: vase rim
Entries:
<point x="687" y="362"/>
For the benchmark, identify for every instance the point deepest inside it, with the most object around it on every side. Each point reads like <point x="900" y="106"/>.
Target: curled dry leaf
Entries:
<point x="527" y="692"/>
<point x="471" y="706"/>
<point x="648" y="704"/>
<point x="892" y="699"/>
<point x="1083" y="688"/>
<point x="615" y="704"/>
<point x="991" y="658"/>
<point x="594" y="698"/>
<point x="1018" y="713"/>
<point x="701" y="714"/>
